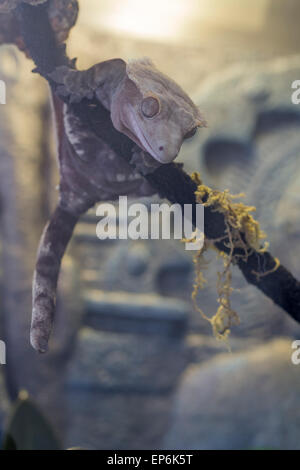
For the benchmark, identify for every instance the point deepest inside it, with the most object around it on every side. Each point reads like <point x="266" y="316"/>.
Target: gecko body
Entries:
<point x="146" y="106"/>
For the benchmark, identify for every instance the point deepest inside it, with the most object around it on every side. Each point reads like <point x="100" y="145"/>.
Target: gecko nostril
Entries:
<point x="161" y="148"/>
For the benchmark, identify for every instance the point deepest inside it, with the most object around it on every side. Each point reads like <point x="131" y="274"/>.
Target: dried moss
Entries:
<point x="243" y="235"/>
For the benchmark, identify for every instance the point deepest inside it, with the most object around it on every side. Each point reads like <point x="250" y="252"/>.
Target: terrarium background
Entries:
<point x="131" y="364"/>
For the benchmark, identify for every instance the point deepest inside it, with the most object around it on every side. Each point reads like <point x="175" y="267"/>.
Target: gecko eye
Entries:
<point x="191" y="133"/>
<point x="150" y="107"/>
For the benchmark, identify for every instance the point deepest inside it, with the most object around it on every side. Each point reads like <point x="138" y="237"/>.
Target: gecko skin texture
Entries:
<point x="146" y="106"/>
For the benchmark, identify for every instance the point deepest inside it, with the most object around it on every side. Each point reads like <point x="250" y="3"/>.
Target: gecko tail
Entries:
<point x="53" y="244"/>
<point x="41" y="329"/>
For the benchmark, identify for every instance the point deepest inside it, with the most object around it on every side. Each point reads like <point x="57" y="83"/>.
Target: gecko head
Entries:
<point x="153" y="111"/>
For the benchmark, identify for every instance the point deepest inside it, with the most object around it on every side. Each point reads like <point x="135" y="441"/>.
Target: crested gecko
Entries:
<point x="146" y="106"/>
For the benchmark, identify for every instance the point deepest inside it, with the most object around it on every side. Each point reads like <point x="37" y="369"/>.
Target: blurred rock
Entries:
<point x="138" y="260"/>
<point x="201" y="348"/>
<point x="137" y="266"/>
<point x="120" y="382"/>
<point x="245" y="400"/>
<point x="246" y="99"/>
<point x="138" y="313"/>
<point x="176" y="275"/>
<point x="136" y="363"/>
<point x="118" y="420"/>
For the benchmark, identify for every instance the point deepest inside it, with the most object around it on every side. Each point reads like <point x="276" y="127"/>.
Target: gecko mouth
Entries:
<point x="139" y="137"/>
<point x="150" y="150"/>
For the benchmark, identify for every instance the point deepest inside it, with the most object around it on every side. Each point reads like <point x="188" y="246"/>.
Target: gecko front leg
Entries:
<point x="143" y="162"/>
